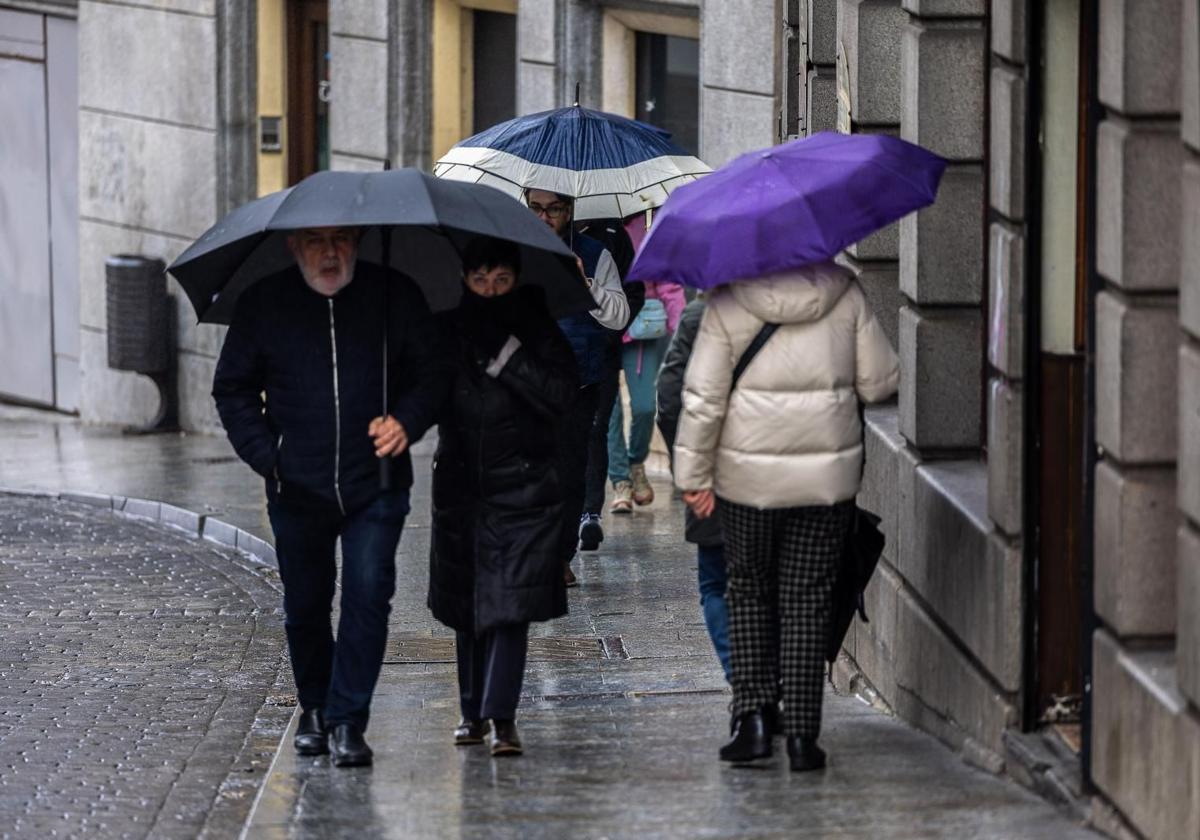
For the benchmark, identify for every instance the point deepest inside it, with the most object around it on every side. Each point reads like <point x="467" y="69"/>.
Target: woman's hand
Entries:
<point x="702" y="502"/>
<point x="390" y="437"/>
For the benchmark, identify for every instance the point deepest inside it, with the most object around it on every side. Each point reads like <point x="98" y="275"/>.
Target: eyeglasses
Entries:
<point x="550" y="211"/>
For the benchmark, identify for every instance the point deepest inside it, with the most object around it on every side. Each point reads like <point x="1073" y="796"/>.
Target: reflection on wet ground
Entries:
<point x="621" y="732"/>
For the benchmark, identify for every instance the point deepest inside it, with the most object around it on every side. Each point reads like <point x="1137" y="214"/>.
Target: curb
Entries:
<point x="196" y="525"/>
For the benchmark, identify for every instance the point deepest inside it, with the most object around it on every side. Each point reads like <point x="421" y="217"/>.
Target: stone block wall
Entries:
<point x="944" y="641"/>
<point x="739" y="61"/>
<point x="380" y="65"/>
<point x="154" y="173"/>
<point x="1146" y="723"/>
<point x="821" y="93"/>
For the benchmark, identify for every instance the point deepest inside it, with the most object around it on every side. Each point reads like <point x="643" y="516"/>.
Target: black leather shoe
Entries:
<point x="773" y="719"/>
<point x="750" y="740"/>
<point x="348" y="748"/>
<point x="310" y="734"/>
<point x="470" y="732"/>
<point x="805" y="754"/>
<point x="505" y="740"/>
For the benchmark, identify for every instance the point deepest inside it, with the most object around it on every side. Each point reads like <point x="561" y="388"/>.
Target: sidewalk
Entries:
<point x="624" y="704"/>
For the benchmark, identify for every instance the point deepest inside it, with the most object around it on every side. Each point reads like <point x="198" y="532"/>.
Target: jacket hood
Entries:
<point x="793" y="297"/>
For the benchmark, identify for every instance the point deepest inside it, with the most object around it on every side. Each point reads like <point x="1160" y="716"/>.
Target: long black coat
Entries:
<point x="497" y="511"/>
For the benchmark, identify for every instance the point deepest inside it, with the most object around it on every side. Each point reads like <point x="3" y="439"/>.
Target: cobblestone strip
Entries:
<point x="138" y="675"/>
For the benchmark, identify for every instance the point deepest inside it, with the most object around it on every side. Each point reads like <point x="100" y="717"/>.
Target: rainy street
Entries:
<point x="148" y="692"/>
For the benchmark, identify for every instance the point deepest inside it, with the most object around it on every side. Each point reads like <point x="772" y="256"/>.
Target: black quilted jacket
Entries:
<point x="318" y="361"/>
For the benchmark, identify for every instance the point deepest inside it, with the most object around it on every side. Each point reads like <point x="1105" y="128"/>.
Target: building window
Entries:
<point x="668" y="86"/>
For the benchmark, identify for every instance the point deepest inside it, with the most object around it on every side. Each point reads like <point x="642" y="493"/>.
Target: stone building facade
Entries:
<point x="1038" y="477"/>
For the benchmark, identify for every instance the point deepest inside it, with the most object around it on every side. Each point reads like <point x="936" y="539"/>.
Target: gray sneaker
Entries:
<point x="622" y="498"/>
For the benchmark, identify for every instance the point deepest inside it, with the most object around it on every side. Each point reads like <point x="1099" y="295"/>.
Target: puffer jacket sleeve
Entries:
<point x="706" y="386"/>
<point x="238" y="385"/>
<point x="877" y="374"/>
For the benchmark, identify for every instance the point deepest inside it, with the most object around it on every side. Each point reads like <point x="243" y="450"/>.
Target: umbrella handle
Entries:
<point x="385" y="473"/>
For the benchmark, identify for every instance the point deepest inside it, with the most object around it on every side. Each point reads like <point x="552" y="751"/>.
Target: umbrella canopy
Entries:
<point x="613" y="166"/>
<point x="428" y="221"/>
<point x="782" y="208"/>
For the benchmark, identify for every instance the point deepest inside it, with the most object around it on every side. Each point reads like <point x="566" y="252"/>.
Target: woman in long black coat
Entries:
<point x="497" y="507"/>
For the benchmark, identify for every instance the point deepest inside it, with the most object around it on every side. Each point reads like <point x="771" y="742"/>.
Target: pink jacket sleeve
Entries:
<point x="673" y="300"/>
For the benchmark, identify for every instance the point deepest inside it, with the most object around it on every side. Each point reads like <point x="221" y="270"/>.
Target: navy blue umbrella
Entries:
<point x="613" y="166"/>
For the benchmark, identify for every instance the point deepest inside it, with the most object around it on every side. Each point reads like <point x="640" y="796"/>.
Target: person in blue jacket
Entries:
<point x="299" y="387"/>
<point x="589" y="336"/>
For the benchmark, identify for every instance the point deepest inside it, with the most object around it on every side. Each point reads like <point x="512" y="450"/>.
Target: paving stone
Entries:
<point x="122" y="714"/>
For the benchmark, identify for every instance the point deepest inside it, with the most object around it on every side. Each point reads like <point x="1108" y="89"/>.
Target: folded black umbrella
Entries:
<point x="860" y="554"/>
<point x="414" y="222"/>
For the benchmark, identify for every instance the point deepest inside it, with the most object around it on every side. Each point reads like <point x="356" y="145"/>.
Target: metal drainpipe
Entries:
<point x="1089" y="53"/>
<point x="1031" y="466"/>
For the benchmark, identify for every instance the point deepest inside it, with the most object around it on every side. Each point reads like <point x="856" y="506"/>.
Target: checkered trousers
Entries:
<point x="782" y="564"/>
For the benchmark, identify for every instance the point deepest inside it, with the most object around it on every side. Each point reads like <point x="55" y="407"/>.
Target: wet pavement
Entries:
<point x="623" y="710"/>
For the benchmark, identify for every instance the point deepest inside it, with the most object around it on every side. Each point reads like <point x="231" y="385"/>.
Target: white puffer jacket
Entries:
<point x="790" y="435"/>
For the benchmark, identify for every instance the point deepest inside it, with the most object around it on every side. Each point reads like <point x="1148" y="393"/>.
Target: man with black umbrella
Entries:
<point x="311" y="340"/>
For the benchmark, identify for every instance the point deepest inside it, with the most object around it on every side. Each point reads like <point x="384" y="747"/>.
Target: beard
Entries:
<point x="325" y="281"/>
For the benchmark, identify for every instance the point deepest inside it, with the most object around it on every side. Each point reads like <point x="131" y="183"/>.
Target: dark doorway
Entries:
<point x="494" y="69"/>
<point x="308" y="87"/>
<point x="668" y="86"/>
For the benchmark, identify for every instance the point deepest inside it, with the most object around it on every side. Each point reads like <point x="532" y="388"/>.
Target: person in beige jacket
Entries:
<point x="783" y="453"/>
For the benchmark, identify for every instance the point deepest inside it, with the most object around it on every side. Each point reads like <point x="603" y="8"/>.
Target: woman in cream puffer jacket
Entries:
<point x="783" y="453"/>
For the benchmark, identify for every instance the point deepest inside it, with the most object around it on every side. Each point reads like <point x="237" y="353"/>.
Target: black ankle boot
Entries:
<point x="804" y="754"/>
<point x="347" y="746"/>
<point x="310" y="734"/>
<point x="750" y="740"/>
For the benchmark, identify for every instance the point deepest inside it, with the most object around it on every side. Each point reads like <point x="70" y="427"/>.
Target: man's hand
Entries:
<point x="390" y="437"/>
<point x="582" y="272"/>
<point x="702" y="502"/>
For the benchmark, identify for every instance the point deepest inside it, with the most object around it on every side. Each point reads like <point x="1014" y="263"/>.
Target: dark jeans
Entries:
<point x="597" y="462"/>
<point x="338" y="677"/>
<point x="491" y="669"/>
<point x="714" y="580"/>
<point x="573" y="441"/>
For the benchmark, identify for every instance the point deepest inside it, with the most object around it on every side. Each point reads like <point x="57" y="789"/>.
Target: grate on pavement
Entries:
<point x="414" y="649"/>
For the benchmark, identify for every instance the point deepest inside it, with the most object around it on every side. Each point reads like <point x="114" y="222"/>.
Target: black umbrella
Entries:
<point x="417" y="223"/>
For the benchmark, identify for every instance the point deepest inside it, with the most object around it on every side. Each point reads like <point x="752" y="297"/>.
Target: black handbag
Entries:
<point x="864" y="541"/>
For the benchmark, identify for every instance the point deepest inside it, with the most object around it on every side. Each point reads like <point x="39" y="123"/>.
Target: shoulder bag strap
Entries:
<point x="748" y="356"/>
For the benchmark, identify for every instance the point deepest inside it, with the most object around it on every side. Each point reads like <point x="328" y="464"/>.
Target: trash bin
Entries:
<point x="138" y="317"/>
<point x="139" y="329"/>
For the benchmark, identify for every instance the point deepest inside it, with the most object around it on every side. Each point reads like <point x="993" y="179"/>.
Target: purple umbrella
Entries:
<point x="785" y="207"/>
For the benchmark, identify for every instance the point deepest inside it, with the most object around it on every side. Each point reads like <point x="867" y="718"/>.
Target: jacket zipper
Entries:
<point x="337" y="415"/>
<point x="278" y="452"/>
